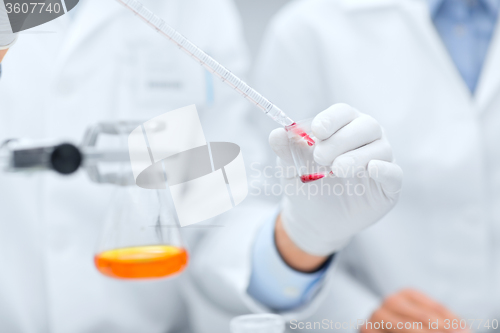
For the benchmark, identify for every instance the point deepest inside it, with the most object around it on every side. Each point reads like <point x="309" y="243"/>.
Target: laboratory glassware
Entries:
<point x="28" y="156"/>
<point x="218" y="70"/>
<point x="141" y="237"/>
<point x="215" y="68"/>
<point x="258" y="323"/>
<point x="303" y="155"/>
<point x="66" y="158"/>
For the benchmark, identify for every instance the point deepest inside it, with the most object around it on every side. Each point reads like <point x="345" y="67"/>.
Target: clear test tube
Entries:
<point x="303" y="154"/>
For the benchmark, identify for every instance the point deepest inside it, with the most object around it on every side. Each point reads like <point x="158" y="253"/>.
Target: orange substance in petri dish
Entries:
<point x="142" y="262"/>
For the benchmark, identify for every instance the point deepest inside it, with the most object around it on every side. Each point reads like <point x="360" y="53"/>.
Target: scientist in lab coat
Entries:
<point x="429" y="72"/>
<point x="97" y="63"/>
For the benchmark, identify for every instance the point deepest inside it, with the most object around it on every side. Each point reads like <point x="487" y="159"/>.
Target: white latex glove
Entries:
<point x="7" y="38"/>
<point x="346" y="140"/>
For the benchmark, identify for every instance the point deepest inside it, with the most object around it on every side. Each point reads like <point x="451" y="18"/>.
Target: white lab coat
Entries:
<point x="385" y="58"/>
<point x="61" y="77"/>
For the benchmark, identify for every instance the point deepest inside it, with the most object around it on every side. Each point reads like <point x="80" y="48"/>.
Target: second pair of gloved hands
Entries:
<point x="321" y="217"/>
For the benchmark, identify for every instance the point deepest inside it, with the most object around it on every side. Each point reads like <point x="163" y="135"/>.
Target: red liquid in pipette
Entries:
<point x="293" y="127"/>
<point x="312" y="177"/>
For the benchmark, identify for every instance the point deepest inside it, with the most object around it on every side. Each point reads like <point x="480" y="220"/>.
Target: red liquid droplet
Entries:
<point x="301" y="133"/>
<point x="312" y="177"/>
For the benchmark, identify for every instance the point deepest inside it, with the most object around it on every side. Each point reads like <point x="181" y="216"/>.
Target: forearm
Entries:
<point x="295" y="257"/>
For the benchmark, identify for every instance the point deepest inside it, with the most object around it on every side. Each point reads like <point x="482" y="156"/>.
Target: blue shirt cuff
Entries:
<point x="275" y="284"/>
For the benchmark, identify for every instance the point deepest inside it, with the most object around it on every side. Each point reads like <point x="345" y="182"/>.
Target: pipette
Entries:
<point x="214" y="67"/>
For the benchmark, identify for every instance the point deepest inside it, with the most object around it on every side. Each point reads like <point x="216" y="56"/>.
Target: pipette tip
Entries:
<point x="293" y="127"/>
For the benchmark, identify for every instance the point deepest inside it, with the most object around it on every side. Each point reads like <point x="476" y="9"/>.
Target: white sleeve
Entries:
<point x="221" y="267"/>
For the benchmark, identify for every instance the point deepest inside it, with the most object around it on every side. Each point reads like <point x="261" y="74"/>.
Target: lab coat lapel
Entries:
<point x="489" y="82"/>
<point x="93" y="15"/>
<point x="418" y="14"/>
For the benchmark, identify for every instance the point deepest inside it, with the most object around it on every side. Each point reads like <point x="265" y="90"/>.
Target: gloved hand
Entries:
<point x="321" y="217"/>
<point x="7" y="38"/>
